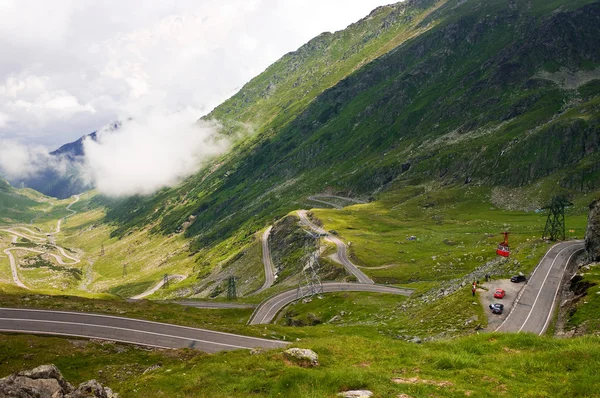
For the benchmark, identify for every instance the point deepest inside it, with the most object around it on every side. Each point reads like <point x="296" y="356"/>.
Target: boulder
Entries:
<point x="302" y="357"/>
<point x="46" y="381"/>
<point x="592" y="235"/>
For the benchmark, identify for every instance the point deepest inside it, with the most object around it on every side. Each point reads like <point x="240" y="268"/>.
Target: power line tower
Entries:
<point x="231" y="288"/>
<point x="166" y="281"/>
<point x="124" y="270"/>
<point x="555" y="223"/>
<point x="311" y="284"/>
<point x="102" y="250"/>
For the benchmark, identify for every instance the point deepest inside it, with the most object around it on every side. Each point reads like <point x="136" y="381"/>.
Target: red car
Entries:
<point x="499" y="293"/>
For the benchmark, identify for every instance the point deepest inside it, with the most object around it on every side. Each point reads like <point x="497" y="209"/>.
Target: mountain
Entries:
<point x="74" y="150"/>
<point x="65" y="181"/>
<point x="494" y="93"/>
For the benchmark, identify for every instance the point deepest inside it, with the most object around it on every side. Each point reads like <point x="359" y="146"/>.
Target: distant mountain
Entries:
<point x="63" y="183"/>
<point x="73" y="150"/>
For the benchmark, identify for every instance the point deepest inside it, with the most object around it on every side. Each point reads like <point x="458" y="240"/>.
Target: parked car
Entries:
<point x="499" y="293"/>
<point x="518" y="278"/>
<point x="497" y="308"/>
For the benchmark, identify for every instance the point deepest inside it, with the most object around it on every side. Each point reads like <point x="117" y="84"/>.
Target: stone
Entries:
<point x="89" y="389"/>
<point x="47" y="372"/>
<point x="302" y="357"/>
<point x="46" y="381"/>
<point x="356" y="394"/>
<point x="592" y="235"/>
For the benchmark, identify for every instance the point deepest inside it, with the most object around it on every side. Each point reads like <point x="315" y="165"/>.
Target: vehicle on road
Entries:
<point x="499" y="293"/>
<point x="497" y="308"/>
<point x="518" y="278"/>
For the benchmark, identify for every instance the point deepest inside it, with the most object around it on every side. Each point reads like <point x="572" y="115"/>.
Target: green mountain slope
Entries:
<point x="493" y="92"/>
<point x="17" y="205"/>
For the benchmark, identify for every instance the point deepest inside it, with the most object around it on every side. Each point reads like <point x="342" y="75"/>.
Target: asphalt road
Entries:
<point x="176" y="278"/>
<point x="267" y="262"/>
<point x="125" y="330"/>
<point x="268" y="309"/>
<point x="534" y="307"/>
<point x="212" y="304"/>
<point x="341" y="247"/>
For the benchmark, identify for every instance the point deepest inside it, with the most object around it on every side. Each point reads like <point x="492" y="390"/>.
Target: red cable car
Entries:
<point x="503" y="248"/>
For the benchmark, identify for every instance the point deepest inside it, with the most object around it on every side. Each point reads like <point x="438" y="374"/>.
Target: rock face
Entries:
<point x="302" y="357"/>
<point x="592" y="235"/>
<point x="46" y="381"/>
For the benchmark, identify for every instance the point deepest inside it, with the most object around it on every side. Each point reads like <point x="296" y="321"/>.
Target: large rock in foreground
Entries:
<point x="46" y="381"/>
<point x="302" y="357"/>
<point x="592" y="235"/>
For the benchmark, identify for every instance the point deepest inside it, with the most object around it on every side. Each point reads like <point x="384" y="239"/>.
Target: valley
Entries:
<point x="359" y="211"/>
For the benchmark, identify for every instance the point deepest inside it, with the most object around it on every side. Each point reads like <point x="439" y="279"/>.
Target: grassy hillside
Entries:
<point x="490" y="365"/>
<point x="17" y="205"/>
<point x="473" y="91"/>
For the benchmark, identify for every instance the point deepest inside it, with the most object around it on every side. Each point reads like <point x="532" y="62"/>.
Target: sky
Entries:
<point x="69" y="67"/>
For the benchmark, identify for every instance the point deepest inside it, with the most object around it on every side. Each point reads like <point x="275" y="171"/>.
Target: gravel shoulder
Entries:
<point x="486" y="297"/>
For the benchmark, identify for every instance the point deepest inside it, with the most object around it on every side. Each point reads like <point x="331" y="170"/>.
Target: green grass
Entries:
<point x="584" y="316"/>
<point x="457" y="230"/>
<point x="481" y="366"/>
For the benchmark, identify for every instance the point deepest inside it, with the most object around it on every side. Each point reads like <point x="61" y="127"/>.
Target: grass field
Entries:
<point x="486" y="365"/>
<point x="456" y="230"/>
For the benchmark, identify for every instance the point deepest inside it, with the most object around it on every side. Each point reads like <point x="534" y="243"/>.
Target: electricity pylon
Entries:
<point x="231" y="288"/>
<point x="555" y="223"/>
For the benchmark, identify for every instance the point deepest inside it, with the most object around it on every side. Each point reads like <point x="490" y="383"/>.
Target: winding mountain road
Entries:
<point x="267" y="262"/>
<point x="534" y="307"/>
<point x="158" y="286"/>
<point x="37" y="237"/>
<point x="319" y="199"/>
<point x="268" y="309"/>
<point x="125" y="330"/>
<point x="341" y="249"/>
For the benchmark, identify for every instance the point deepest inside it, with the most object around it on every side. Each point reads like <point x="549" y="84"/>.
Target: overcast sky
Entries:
<point x="68" y="67"/>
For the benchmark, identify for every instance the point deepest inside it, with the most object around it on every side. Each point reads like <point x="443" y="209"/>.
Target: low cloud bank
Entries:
<point x="18" y="161"/>
<point x="139" y="157"/>
<point x="150" y="153"/>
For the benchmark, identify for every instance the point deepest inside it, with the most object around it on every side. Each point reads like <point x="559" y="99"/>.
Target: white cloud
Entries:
<point x="147" y="154"/>
<point x="71" y="66"/>
<point x="18" y="161"/>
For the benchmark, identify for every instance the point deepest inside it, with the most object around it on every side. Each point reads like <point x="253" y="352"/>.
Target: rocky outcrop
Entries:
<point x="302" y="357"/>
<point x="592" y="235"/>
<point x="46" y="381"/>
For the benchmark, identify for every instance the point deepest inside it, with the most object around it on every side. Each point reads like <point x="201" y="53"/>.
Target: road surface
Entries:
<point x="158" y="286"/>
<point x="319" y="198"/>
<point x="341" y="249"/>
<point x="126" y="330"/>
<point x="58" y="224"/>
<point x="13" y="268"/>
<point x="268" y="309"/>
<point x="267" y="262"/>
<point x="534" y="306"/>
<point x="212" y="304"/>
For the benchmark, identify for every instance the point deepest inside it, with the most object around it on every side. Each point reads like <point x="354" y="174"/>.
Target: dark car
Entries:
<point x="518" y="278"/>
<point x="497" y="308"/>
